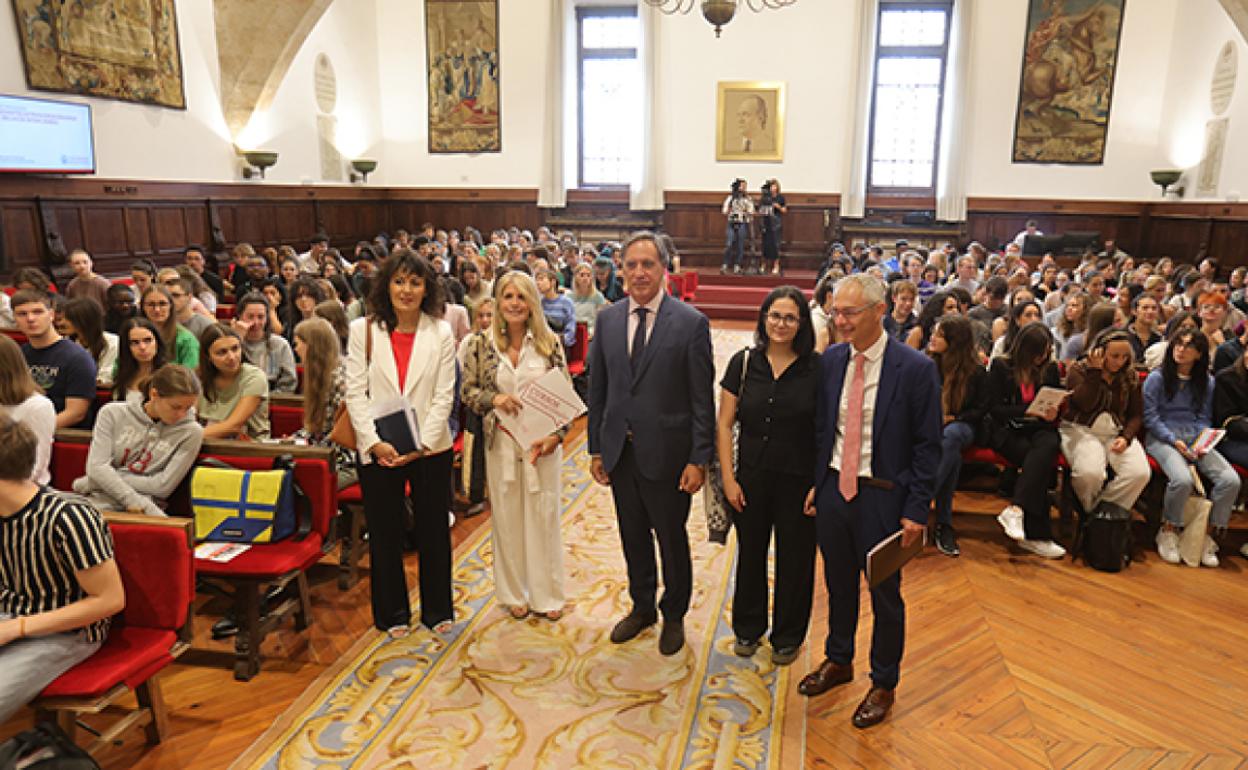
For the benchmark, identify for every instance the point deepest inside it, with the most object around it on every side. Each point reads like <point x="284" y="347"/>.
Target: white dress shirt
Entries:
<point x="653" y="307"/>
<point x="873" y="363"/>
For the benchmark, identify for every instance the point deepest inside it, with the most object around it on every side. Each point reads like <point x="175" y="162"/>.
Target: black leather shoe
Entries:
<point x="224" y="628"/>
<point x="672" y="637"/>
<point x="632" y="624"/>
<point x="947" y="540"/>
<point x="873" y="708"/>
<point x="783" y="656"/>
<point x="745" y="647"/>
<point x="824" y="678"/>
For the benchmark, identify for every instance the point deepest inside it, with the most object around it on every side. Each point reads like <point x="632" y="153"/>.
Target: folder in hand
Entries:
<point x="888" y="556"/>
<point x="399" y="431"/>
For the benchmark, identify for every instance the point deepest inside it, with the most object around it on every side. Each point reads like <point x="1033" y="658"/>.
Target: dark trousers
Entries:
<point x="735" y="250"/>
<point x="771" y="243"/>
<point x="648" y="510"/>
<point x="476" y="475"/>
<point x="847" y="531"/>
<point x="1034" y="452"/>
<point x="774" y="501"/>
<point x="955" y="438"/>
<point x="384" y="490"/>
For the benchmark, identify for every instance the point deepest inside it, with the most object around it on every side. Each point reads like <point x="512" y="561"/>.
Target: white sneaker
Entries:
<point x="1046" y="548"/>
<point x="1168" y="546"/>
<point x="1243" y="551"/>
<point x="1210" y="557"/>
<point x="451" y="514"/>
<point x="1011" y="520"/>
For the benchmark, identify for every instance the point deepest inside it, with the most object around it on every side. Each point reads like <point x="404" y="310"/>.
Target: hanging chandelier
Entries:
<point x="717" y="12"/>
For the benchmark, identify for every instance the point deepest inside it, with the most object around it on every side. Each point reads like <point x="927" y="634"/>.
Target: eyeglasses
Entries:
<point x="852" y="312"/>
<point x="783" y="320"/>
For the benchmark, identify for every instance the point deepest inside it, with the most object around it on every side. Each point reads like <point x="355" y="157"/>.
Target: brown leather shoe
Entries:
<point x="873" y="708"/>
<point x="824" y="678"/>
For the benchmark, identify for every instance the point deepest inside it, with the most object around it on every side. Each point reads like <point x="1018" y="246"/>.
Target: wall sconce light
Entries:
<point x="1164" y="178"/>
<point x="362" y="168"/>
<point x="257" y="162"/>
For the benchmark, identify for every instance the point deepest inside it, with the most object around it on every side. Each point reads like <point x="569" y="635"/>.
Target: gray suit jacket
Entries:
<point x="668" y="405"/>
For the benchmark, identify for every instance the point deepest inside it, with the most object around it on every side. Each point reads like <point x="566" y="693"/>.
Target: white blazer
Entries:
<point x="429" y="386"/>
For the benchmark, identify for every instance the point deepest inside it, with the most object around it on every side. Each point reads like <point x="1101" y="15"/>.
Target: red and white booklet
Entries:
<point x="1208" y="439"/>
<point x="220" y="552"/>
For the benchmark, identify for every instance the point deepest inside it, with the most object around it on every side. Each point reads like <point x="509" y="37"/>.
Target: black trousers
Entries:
<point x="384" y="490"/>
<point x="474" y="426"/>
<point x="847" y="532"/>
<point x="1034" y="451"/>
<point x="648" y="510"/>
<point x="774" y="502"/>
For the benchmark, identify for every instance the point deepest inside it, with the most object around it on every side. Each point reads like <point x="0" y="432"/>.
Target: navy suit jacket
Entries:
<point x="905" y="430"/>
<point x="668" y="405"/>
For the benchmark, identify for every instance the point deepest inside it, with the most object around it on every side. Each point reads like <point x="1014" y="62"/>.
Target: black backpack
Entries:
<point x="1105" y="539"/>
<point x="44" y="747"/>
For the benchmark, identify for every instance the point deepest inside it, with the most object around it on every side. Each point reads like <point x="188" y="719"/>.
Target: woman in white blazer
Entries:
<point x="411" y="355"/>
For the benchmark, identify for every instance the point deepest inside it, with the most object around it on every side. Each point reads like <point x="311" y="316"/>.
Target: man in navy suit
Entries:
<point x="651" y="430"/>
<point x="878" y="432"/>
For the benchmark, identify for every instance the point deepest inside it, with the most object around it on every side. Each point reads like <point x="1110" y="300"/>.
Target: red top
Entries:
<point x="1027" y="391"/>
<point x="401" y="344"/>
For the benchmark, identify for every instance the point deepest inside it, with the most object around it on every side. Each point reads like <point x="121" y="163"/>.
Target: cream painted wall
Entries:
<point x="524" y="31"/>
<point x="1199" y="34"/>
<point x="1135" y="119"/>
<point x="137" y="141"/>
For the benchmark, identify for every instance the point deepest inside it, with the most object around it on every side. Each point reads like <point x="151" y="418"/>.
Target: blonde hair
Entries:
<point x="544" y="340"/>
<point x="320" y="366"/>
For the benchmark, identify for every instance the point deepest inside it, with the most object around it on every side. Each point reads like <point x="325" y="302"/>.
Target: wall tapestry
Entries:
<point x="461" y="40"/>
<point x="1068" y="81"/>
<point x="117" y="49"/>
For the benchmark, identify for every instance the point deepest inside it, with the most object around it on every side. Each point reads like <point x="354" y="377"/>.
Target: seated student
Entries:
<point x="332" y="311"/>
<point x="275" y="292"/>
<point x="1031" y="443"/>
<point x="303" y="297"/>
<point x="1178" y="405"/>
<point x="324" y="387"/>
<point x="1212" y="309"/>
<point x="86" y="282"/>
<point x="559" y="311"/>
<point x="1103" y="423"/>
<point x="64" y="370"/>
<point x="22" y="401"/>
<point x="586" y="299"/>
<point x="140" y="353"/>
<point x="1020" y="314"/>
<point x="1142" y="326"/>
<point x="1099" y="318"/>
<point x="156" y="304"/>
<point x="1183" y="321"/>
<point x="473" y="465"/>
<point x="59" y="584"/>
<point x="1019" y="295"/>
<point x="83" y="322"/>
<point x="1072" y="317"/>
<point x="964" y="399"/>
<point x="475" y="288"/>
<point x="1230" y="410"/>
<point x="143" y="273"/>
<point x="900" y="318"/>
<point x="942" y="303"/>
<point x="203" y="299"/>
<point x="180" y="292"/>
<point x="194" y="259"/>
<point x="606" y="281"/>
<point x="235" y="399"/>
<point x="142" y="448"/>
<point x="121" y="307"/>
<point x="262" y="348"/>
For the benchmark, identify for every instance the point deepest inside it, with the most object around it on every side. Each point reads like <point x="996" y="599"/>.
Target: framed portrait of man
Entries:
<point x="750" y="122"/>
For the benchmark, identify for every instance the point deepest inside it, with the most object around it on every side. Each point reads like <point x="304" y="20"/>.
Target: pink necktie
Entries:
<point x="853" y="432"/>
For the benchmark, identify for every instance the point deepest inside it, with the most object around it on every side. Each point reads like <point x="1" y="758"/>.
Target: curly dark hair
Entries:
<point x="403" y="262"/>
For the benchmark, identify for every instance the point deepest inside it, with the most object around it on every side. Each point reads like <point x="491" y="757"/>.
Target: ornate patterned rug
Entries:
<point x="501" y="693"/>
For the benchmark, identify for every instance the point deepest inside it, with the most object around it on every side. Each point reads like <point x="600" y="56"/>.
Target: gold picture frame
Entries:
<point x="749" y="121"/>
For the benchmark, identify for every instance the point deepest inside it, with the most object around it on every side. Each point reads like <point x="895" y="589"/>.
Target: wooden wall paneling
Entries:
<point x="69" y="225"/>
<point x="294" y="223"/>
<point x="1229" y="242"/>
<point x="138" y="220"/>
<point x="20" y="237"/>
<point x="1179" y="238"/>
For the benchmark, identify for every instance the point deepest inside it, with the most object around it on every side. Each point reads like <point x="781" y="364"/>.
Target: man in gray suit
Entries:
<point x="651" y="431"/>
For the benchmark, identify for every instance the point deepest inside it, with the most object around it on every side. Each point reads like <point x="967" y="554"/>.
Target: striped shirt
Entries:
<point x="42" y="546"/>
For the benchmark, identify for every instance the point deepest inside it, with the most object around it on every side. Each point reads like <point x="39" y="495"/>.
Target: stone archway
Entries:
<point x="256" y="42"/>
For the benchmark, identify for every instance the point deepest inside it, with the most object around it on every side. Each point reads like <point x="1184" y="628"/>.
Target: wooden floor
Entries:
<point x="1012" y="661"/>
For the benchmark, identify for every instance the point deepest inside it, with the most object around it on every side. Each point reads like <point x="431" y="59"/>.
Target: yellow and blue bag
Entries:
<point x="237" y="506"/>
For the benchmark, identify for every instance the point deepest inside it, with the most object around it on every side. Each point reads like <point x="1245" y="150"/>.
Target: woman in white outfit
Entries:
<point x="524" y="482"/>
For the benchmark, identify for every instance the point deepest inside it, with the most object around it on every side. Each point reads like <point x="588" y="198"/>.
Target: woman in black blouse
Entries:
<point x="964" y="402"/>
<point x="1032" y="443"/>
<point x="776" y="414"/>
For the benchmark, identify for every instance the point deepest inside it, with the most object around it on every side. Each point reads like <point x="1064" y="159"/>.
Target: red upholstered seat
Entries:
<point x="17" y="336"/>
<point x="350" y="495"/>
<point x="130" y="657"/>
<point x="285" y="420"/>
<point x="578" y="351"/>
<point x="224" y="312"/>
<point x="979" y="454"/>
<point x="267" y="559"/>
<point x="69" y="462"/>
